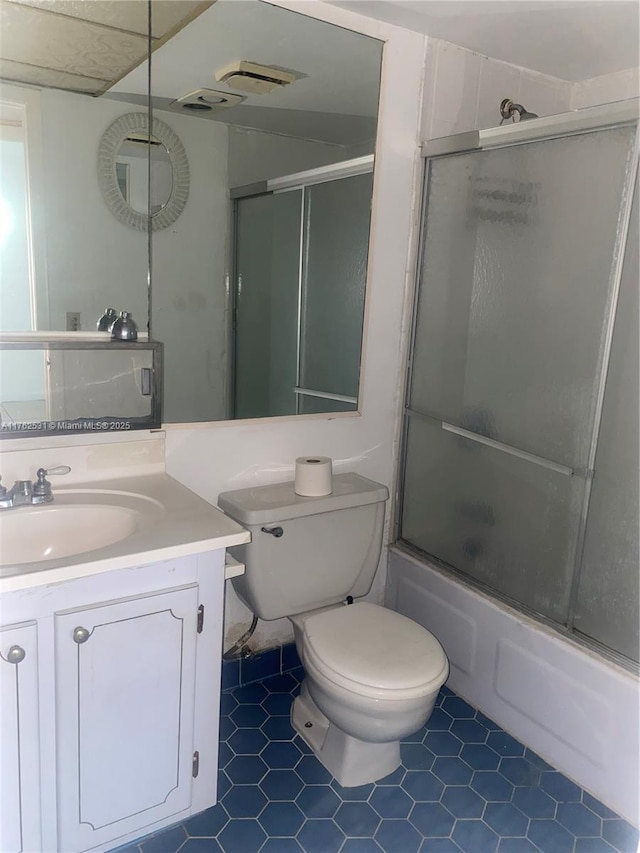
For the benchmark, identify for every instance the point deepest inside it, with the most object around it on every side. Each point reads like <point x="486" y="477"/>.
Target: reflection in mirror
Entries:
<point x="127" y="156"/>
<point x="89" y="386"/>
<point x="63" y="255"/>
<point x="131" y="172"/>
<point x="258" y="287"/>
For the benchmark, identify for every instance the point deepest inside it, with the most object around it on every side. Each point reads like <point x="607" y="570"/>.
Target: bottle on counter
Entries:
<point x="107" y="320"/>
<point x="124" y="328"/>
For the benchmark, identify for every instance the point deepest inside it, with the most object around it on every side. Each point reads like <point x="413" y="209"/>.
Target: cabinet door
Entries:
<point x="124" y="714"/>
<point x="19" y="754"/>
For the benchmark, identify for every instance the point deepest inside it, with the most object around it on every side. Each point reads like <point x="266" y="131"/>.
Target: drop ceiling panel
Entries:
<point x="47" y="40"/>
<point x="18" y="72"/>
<point x="128" y="15"/>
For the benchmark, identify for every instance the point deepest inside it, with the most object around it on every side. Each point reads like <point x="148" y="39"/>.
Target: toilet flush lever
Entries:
<point x="274" y="531"/>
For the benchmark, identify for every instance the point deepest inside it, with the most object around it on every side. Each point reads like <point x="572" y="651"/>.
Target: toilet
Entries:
<point x="371" y="675"/>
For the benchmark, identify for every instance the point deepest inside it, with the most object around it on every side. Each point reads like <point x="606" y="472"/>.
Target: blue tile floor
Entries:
<point x="464" y="785"/>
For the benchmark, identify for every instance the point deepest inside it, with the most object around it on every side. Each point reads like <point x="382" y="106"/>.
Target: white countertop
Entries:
<point x="179" y="523"/>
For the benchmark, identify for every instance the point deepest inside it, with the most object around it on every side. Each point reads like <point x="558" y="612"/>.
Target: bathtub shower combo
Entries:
<point x="519" y="469"/>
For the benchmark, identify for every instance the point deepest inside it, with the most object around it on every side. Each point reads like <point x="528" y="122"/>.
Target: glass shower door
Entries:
<point x="609" y="585"/>
<point x="519" y="252"/>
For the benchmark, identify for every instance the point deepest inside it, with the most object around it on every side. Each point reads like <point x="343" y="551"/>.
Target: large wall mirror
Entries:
<point x="257" y="286"/>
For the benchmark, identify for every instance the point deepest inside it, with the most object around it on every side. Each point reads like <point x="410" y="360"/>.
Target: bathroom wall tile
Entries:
<point x="456" y="94"/>
<point x="289" y="657"/>
<point x="230" y="674"/>
<point x="429" y="83"/>
<point x="257" y="667"/>
<point x="606" y="88"/>
<point x="544" y="95"/>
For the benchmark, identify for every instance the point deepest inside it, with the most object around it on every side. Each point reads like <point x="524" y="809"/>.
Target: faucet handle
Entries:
<point x="41" y="473"/>
<point x="42" y="488"/>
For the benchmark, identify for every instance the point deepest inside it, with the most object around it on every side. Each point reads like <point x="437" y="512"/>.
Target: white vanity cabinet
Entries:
<point x="115" y="733"/>
<point x="19" y="754"/>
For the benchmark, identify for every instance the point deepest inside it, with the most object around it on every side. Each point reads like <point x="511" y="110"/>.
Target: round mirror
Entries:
<point x="126" y="155"/>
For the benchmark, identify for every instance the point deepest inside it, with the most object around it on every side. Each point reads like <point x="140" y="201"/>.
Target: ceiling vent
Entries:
<point x="253" y="78"/>
<point x="203" y="101"/>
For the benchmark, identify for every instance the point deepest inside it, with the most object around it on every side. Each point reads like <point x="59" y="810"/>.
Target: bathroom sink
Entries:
<point x="75" y="523"/>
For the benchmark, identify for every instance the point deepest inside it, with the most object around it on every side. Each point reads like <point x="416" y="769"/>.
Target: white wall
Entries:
<point x="189" y="269"/>
<point x="232" y="455"/>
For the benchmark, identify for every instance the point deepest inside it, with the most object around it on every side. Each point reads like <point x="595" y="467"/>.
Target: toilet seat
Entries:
<point x="374" y="652"/>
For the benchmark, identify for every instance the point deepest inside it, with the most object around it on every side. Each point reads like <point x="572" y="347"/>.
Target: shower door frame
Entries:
<point x="578" y="122"/>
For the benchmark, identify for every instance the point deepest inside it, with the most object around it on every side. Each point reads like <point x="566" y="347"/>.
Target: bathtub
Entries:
<point x="578" y="711"/>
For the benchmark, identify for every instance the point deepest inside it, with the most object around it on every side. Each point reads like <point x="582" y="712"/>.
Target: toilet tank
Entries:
<point x="329" y="547"/>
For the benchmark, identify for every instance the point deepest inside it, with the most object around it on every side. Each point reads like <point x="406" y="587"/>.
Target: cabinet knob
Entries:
<point x="81" y="635"/>
<point x="16" y="654"/>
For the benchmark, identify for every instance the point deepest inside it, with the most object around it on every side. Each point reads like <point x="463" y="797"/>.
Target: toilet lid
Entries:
<point x="375" y="647"/>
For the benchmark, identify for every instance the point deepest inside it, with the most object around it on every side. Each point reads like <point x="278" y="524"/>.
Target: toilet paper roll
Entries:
<point x="314" y="476"/>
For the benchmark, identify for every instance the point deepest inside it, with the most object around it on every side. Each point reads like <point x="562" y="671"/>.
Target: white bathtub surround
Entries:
<point x="575" y="709"/>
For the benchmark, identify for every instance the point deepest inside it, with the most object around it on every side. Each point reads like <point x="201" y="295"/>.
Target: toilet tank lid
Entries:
<point x="279" y="502"/>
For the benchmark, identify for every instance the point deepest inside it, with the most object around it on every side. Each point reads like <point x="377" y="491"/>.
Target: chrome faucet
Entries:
<point x="26" y="493"/>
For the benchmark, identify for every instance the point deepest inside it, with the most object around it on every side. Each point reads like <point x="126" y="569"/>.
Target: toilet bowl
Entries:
<point x="372" y="678"/>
